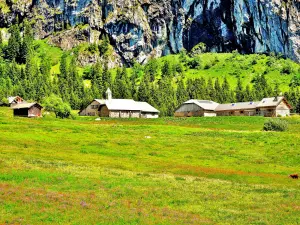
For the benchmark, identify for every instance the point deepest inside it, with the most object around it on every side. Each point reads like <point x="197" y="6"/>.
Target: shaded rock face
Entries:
<point x="141" y="29"/>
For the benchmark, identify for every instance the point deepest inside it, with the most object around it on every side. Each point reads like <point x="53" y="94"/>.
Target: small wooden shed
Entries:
<point x="27" y="110"/>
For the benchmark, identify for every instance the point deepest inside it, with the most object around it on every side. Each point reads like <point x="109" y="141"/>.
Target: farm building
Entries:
<point x="119" y="108"/>
<point x="194" y="108"/>
<point x="27" y="110"/>
<point x="237" y="109"/>
<point x="268" y="107"/>
<point x="12" y="100"/>
<point x="273" y="107"/>
<point x="92" y="109"/>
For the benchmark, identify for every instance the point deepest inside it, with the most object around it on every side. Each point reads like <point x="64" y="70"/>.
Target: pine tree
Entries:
<point x="144" y="89"/>
<point x="151" y="69"/>
<point x="106" y="78"/>
<point x="97" y="82"/>
<point x="14" y="43"/>
<point x="26" y="45"/>
<point x="166" y="70"/>
<point x="239" y="91"/>
<point x="226" y="95"/>
<point x="181" y="93"/>
<point x="218" y="91"/>
<point x="211" y="90"/>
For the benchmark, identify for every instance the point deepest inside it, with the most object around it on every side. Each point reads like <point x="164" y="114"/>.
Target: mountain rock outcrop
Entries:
<point x="140" y="29"/>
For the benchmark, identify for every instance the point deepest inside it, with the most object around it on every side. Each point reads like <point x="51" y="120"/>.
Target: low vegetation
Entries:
<point x="275" y="125"/>
<point x="222" y="170"/>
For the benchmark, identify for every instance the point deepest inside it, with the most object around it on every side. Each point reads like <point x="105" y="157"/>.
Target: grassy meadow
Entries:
<point x="165" y="171"/>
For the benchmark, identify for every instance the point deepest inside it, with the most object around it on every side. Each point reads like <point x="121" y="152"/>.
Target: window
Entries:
<point x="94" y="107"/>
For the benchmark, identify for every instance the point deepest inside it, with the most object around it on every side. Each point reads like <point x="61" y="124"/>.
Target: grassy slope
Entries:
<point x="191" y="171"/>
<point x="227" y="66"/>
<point x="241" y="66"/>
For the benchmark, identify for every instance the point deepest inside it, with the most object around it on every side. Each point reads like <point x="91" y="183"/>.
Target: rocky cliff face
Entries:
<point x="139" y="29"/>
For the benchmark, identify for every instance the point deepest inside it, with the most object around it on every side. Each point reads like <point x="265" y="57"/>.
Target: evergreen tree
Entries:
<point x="211" y="90"/>
<point x="26" y="45"/>
<point x="97" y="82"/>
<point x="239" y="91"/>
<point x="181" y="93"/>
<point x="218" y="91"/>
<point x="144" y="89"/>
<point x="151" y="69"/>
<point x="166" y="70"/>
<point x="14" y="43"/>
<point x="106" y="78"/>
<point x="226" y="93"/>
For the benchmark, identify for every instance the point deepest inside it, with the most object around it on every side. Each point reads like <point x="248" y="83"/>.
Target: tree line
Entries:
<point x="163" y="85"/>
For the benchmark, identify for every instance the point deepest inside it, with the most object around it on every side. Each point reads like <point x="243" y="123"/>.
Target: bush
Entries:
<point x="55" y="104"/>
<point x="275" y="125"/>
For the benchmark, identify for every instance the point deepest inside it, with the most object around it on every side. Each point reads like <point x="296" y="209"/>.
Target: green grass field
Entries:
<point x="191" y="171"/>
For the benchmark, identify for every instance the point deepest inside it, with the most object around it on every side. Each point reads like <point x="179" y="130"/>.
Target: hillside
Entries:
<point x="190" y="171"/>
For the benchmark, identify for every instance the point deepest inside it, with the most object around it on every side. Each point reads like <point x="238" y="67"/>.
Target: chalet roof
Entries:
<point x="237" y="106"/>
<point x="271" y="102"/>
<point x="146" y="107"/>
<point x="25" y="105"/>
<point x="122" y="104"/>
<point x="204" y="104"/>
<point x="11" y="99"/>
<point x="101" y="101"/>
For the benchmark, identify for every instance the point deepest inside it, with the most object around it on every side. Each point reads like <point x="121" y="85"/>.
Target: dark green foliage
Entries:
<point x="14" y="43"/>
<point x="55" y="104"/>
<point x="275" y="125"/>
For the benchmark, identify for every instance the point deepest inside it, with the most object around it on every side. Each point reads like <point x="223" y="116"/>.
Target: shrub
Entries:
<point x="55" y="104"/>
<point x="275" y="125"/>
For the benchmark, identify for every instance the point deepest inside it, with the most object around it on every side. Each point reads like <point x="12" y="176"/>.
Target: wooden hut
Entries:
<point x="197" y="108"/>
<point x="273" y="107"/>
<point x="27" y="110"/>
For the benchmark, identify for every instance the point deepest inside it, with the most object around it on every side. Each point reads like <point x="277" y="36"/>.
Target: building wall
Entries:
<point x="283" y="110"/>
<point x="91" y="109"/>
<point x="34" y="112"/>
<point x="114" y="114"/>
<point x="149" y="115"/>
<point x="189" y="110"/>
<point x="21" y="112"/>
<point x="104" y="112"/>
<point x="251" y="112"/>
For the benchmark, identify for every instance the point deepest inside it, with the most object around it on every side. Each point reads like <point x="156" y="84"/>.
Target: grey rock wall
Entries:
<point x="140" y="29"/>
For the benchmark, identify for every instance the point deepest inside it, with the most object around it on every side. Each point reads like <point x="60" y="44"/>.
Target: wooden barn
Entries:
<point x="27" y="110"/>
<point x="237" y="109"/>
<point x="119" y="108"/>
<point x="197" y="108"/>
<point x="274" y="107"/>
<point x="93" y="108"/>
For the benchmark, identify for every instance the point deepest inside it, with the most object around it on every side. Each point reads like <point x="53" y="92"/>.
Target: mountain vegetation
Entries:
<point x="35" y="71"/>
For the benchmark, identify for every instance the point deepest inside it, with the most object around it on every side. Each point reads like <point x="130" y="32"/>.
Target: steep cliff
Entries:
<point x="139" y="29"/>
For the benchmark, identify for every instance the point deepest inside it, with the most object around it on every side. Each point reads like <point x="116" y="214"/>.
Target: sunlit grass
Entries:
<point x="222" y="170"/>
